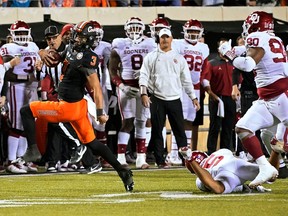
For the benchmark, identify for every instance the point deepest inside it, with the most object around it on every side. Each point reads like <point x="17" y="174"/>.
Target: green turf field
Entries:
<point x="157" y="192"/>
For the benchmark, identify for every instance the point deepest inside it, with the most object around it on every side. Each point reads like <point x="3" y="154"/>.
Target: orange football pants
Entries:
<point x="61" y="111"/>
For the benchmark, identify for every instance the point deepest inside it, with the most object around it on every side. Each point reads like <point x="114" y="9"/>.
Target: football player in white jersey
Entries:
<point x="124" y="66"/>
<point x="196" y="54"/>
<point x="22" y="90"/>
<point x="266" y="55"/>
<point x="222" y="172"/>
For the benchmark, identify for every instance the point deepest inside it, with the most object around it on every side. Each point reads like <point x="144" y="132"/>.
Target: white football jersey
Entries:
<point x="103" y="51"/>
<point x="132" y="55"/>
<point x="229" y="170"/>
<point x="195" y="54"/>
<point x="28" y="55"/>
<point x="273" y="65"/>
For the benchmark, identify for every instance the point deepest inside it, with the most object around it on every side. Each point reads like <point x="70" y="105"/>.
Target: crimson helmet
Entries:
<point x="134" y="29"/>
<point x="99" y="32"/>
<point x="157" y="24"/>
<point x="198" y="156"/>
<point x="84" y="35"/>
<point x="66" y="28"/>
<point x="20" y="32"/>
<point x="258" y="21"/>
<point x="193" y="25"/>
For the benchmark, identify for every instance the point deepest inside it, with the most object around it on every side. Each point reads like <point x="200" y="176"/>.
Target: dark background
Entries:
<point x="213" y="31"/>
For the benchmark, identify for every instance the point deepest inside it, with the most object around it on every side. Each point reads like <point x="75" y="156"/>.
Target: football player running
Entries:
<point x="124" y="66"/>
<point x="266" y="55"/>
<point x="22" y="90"/>
<point x="79" y="70"/>
<point x="222" y="172"/>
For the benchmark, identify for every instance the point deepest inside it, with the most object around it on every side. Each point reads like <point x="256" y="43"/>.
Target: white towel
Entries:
<point x="220" y="111"/>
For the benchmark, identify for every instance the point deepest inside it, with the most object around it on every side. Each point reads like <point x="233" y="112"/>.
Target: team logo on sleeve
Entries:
<point x="79" y="56"/>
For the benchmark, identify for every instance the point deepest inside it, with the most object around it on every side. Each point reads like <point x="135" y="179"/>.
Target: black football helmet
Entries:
<point x="84" y="35"/>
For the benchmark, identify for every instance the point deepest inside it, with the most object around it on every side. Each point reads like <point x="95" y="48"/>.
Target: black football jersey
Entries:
<point x="76" y="67"/>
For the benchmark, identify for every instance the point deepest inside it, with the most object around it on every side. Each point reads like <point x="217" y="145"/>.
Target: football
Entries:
<point x="56" y="58"/>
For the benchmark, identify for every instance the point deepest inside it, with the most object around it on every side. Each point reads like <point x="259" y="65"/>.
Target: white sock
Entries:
<point x="189" y="136"/>
<point x="22" y="147"/>
<point x="13" y="143"/>
<point x="148" y="136"/>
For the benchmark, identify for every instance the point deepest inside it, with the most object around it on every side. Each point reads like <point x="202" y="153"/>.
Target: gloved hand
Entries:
<point x="225" y="47"/>
<point x="131" y="92"/>
<point x="112" y="101"/>
<point x="226" y="50"/>
<point x="136" y="74"/>
<point x="198" y="156"/>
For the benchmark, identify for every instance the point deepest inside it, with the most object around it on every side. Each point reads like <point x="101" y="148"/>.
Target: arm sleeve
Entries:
<point x="236" y="76"/>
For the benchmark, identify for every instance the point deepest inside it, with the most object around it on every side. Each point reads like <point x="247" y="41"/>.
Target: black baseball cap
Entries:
<point x="51" y="31"/>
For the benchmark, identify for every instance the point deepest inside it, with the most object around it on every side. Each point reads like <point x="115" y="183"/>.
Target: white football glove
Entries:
<point x="226" y="50"/>
<point x="112" y="101"/>
<point x="136" y="74"/>
<point x="225" y="47"/>
<point x="131" y="92"/>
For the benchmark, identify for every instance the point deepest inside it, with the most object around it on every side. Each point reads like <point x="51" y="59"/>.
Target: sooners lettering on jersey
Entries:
<point x="194" y="55"/>
<point x="273" y="65"/>
<point x="28" y="55"/>
<point x="132" y="54"/>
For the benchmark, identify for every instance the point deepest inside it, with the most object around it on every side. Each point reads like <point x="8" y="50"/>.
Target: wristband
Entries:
<point x="116" y="80"/>
<point x="23" y="77"/>
<point x="100" y="112"/>
<point x="143" y="90"/>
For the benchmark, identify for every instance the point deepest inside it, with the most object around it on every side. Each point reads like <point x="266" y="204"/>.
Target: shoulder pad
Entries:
<point x="90" y="59"/>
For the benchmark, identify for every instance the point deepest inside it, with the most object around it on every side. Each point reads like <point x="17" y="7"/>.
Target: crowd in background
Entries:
<point x="138" y="3"/>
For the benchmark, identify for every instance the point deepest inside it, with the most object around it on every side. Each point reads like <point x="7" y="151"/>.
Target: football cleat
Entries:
<point x="266" y="173"/>
<point x="78" y="153"/>
<point x="13" y="168"/>
<point x="185" y="152"/>
<point x="141" y="161"/>
<point x="173" y="160"/>
<point x="93" y="169"/>
<point x="127" y="178"/>
<point x="29" y="167"/>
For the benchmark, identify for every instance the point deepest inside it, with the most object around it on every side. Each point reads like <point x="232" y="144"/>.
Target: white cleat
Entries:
<point x="185" y="152"/>
<point x="173" y="160"/>
<point x="266" y="173"/>
<point x="122" y="159"/>
<point x="141" y="161"/>
<point x="29" y="167"/>
<point x="12" y="168"/>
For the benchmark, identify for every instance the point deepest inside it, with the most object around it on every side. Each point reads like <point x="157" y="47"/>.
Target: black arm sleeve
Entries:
<point x="4" y="88"/>
<point x="235" y="76"/>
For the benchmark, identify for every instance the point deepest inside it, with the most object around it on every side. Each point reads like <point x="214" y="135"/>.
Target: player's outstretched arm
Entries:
<point x="206" y="178"/>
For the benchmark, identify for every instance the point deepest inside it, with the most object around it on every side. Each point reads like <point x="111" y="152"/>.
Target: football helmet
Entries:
<point x="157" y="24"/>
<point x="84" y="35"/>
<point x="99" y="33"/>
<point x="198" y="156"/>
<point x="195" y="26"/>
<point x="20" y="32"/>
<point x="66" y="28"/>
<point x="258" y="21"/>
<point x="134" y="29"/>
